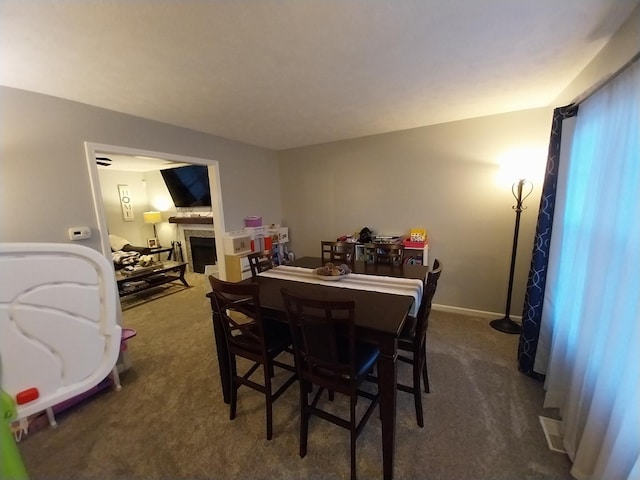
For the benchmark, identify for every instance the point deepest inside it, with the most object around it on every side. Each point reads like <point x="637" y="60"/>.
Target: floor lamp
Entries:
<point x="505" y="324"/>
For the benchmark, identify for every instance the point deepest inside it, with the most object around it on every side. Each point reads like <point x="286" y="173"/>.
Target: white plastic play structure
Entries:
<point x="58" y="331"/>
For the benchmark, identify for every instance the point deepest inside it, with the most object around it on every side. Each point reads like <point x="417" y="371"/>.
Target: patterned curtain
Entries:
<point x="534" y="296"/>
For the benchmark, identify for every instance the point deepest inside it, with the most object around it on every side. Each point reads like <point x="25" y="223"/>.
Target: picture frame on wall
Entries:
<point x="152" y="242"/>
<point x="126" y="203"/>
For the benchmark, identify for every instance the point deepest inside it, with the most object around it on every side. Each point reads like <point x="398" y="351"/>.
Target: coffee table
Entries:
<point x="136" y="282"/>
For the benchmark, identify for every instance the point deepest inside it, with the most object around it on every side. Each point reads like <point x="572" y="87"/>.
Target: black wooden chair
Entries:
<point x="328" y="356"/>
<point x="249" y="335"/>
<point x="260" y="261"/>
<point x="413" y="340"/>
<point x="338" y="252"/>
<point x="390" y="253"/>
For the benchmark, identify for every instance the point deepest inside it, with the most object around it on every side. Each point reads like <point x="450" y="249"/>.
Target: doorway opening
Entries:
<point x="140" y="159"/>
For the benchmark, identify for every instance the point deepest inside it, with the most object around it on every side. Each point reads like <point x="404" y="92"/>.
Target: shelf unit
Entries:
<point x="238" y="244"/>
<point x="237" y="267"/>
<point x="279" y="237"/>
<point x="418" y="251"/>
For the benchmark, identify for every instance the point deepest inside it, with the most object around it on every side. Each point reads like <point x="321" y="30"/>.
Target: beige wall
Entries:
<point x="622" y="47"/>
<point x="440" y="177"/>
<point x="44" y="176"/>
<point x="136" y="231"/>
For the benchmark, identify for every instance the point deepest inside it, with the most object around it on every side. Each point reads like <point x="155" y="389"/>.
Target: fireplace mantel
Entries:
<point x="191" y="220"/>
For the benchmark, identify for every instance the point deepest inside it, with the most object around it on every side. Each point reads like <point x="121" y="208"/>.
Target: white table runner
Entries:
<point x="398" y="286"/>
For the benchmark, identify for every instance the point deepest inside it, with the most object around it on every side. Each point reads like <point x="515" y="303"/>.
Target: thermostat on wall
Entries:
<point x="79" y="233"/>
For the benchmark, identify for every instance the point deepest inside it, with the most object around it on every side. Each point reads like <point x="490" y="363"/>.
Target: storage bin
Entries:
<point x="413" y="244"/>
<point x="127" y="333"/>
<point x="237" y="244"/>
<point x="253" y="221"/>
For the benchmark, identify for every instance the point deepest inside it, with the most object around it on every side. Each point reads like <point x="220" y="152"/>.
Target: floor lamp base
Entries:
<point x="506" y="325"/>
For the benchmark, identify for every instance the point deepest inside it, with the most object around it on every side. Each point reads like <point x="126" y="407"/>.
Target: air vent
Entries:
<point x="103" y="161"/>
<point x="553" y="433"/>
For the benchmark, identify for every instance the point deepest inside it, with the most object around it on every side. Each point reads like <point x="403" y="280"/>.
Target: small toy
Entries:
<point x="418" y="235"/>
<point x="11" y="465"/>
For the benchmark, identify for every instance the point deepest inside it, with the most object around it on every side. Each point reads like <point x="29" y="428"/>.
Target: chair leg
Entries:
<point x="425" y="373"/>
<point x="417" y="392"/>
<point x="268" y="373"/>
<point x="353" y="438"/>
<point x="233" y="401"/>
<point x="425" y="377"/>
<point x="304" y="419"/>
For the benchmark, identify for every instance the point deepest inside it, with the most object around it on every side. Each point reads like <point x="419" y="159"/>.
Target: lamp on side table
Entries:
<point x="153" y="217"/>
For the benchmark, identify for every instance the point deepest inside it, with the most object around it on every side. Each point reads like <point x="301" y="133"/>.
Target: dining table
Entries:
<point x="379" y="316"/>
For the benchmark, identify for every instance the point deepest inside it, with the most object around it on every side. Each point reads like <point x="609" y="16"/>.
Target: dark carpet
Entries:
<point x="169" y="420"/>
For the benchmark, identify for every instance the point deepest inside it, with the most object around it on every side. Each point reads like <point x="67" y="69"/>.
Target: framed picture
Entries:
<point x="126" y="203"/>
<point x="152" y="243"/>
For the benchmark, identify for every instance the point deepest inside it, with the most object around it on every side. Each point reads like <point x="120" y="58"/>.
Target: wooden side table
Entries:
<point x="159" y="250"/>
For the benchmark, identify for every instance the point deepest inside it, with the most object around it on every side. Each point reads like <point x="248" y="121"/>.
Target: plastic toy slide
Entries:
<point x="58" y="331"/>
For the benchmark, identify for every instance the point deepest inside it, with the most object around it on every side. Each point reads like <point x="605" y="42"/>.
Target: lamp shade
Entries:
<point x="152" y="217"/>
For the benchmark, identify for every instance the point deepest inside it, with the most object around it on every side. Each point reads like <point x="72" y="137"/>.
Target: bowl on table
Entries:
<point x="331" y="272"/>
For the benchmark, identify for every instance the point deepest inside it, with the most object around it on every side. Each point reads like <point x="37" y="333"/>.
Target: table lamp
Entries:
<point x="152" y="217"/>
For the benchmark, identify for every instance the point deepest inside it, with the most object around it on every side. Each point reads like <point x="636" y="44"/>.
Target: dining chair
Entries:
<point x="338" y="252"/>
<point x="251" y="336"/>
<point x="327" y="355"/>
<point x="389" y="253"/>
<point x="413" y="341"/>
<point x="260" y="261"/>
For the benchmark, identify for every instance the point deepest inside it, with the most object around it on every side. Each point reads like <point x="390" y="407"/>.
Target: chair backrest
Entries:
<point x="323" y="334"/>
<point x="338" y="252"/>
<point x="237" y="307"/>
<point x="428" y="292"/>
<point x="391" y="253"/>
<point x="260" y="261"/>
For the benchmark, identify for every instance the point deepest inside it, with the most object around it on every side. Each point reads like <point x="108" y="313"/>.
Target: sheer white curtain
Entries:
<point x="593" y="292"/>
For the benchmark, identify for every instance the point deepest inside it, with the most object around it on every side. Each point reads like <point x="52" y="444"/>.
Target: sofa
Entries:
<point x="123" y="253"/>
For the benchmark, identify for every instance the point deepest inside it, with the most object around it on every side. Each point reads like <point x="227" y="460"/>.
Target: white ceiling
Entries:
<point x="288" y="73"/>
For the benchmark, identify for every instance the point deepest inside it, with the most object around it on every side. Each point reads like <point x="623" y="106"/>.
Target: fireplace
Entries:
<point x="201" y="249"/>
<point x="203" y="253"/>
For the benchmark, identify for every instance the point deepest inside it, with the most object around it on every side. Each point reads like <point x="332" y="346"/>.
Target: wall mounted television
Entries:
<point x="188" y="185"/>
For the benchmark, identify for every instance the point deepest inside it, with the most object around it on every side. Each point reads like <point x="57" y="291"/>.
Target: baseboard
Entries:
<point x="471" y="312"/>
